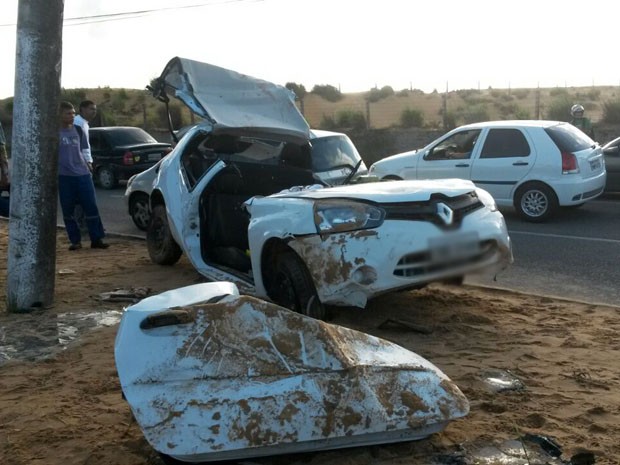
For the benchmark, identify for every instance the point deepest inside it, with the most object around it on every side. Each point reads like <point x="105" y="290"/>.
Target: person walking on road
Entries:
<point x="75" y="182"/>
<point x="580" y="121"/>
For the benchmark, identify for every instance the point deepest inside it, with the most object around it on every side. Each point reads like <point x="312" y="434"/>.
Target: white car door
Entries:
<point x="505" y="157"/>
<point x="450" y="158"/>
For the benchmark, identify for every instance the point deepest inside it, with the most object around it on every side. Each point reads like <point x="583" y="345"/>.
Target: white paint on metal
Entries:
<point x="272" y="381"/>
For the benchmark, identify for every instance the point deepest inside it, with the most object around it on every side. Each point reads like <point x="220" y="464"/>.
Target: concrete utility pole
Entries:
<point x="31" y="264"/>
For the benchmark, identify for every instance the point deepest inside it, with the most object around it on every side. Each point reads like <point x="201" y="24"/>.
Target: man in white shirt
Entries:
<point x="88" y="111"/>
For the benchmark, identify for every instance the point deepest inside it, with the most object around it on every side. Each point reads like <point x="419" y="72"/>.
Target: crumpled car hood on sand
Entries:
<point x="245" y="378"/>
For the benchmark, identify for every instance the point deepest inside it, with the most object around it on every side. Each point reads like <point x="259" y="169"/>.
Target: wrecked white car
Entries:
<point x="211" y="375"/>
<point x="225" y="196"/>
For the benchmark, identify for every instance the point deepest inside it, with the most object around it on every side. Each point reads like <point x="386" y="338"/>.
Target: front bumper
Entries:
<point x="350" y="268"/>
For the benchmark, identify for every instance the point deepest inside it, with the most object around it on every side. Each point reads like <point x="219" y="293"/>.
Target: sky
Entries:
<point x="354" y="45"/>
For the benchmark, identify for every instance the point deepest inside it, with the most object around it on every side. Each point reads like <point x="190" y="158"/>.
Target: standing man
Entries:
<point x="75" y="183"/>
<point x="4" y="175"/>
<point x="88" y="111"/>
<point x="580" y="121"/>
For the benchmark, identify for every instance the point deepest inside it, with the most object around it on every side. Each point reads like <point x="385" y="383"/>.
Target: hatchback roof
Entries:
<point x="231" y="101"/>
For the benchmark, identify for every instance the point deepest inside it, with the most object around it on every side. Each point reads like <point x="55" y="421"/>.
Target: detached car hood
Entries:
<point x="385" y="191"/>
<point x="228" y="99"/>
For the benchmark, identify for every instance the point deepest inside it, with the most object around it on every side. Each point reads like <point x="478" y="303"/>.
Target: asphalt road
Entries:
<point x="575" y="256"/>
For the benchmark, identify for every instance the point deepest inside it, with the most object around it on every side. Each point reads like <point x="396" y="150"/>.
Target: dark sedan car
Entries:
<point x="119" y="152"/>
<point x="612" y="164"/>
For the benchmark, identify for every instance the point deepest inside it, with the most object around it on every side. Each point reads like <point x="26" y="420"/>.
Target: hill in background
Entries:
<point x="398" y="121"/>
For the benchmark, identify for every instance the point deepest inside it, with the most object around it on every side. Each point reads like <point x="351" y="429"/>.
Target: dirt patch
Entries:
<point x="68" y="409"/>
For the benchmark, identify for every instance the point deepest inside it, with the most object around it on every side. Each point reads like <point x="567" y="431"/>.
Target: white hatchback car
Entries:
<point x="535" y="166"/>
<point x="225" y="197"/>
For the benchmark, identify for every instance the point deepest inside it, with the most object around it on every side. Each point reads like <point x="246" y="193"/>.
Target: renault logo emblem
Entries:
<point x="445" y="213"/>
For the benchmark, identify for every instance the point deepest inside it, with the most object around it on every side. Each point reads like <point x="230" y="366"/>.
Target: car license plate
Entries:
<point x="154" y="157"/>
<point x="595" y="165"/>
<point x="454" y="247"/>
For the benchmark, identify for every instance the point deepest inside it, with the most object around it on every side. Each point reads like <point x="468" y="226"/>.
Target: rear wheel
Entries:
<point x="292" y="287"/>
<point x="391" y="177"/>
<point x="140" y="211"/>
<point x="535" y="202"/>
<point x="106" y="177"/>
<point x="162" y="247"/>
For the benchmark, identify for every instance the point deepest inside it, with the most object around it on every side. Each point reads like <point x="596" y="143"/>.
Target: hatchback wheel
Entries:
<point x="293" y="288"/>
<point x="106" y="178"/>
<point x="162" y="247"/>
<point x="139" y="210"/>
<point x="535" y="202"/>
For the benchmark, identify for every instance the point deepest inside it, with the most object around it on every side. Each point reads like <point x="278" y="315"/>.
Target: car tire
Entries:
<point x="106" y="178"/>
<point x="140" y="211"/>
<point x="391" y="177"/>
<point x="535" y="202"/>
<point x="162" y="247"/>
<point x="292" y="286"/>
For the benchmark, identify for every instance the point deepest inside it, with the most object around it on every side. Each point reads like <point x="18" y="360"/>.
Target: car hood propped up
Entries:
<point x="230" y="100"/>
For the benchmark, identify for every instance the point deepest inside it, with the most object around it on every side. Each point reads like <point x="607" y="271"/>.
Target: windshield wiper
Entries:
<point x="352" y="173"/>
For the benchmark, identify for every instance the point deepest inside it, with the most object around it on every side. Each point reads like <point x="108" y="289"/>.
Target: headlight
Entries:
<point x="487" y="199"/>
<point x="333" y="216"/>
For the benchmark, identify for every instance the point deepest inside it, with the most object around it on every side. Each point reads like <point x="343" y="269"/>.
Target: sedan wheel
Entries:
<point x="162" y="247"/>
<point x="535" y="202"/>
<point x="140" y="211"/>
<point x="292" y="286"/>
<point x="106" y="178"/>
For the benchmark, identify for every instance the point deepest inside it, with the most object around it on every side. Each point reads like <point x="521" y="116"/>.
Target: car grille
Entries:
<point x="420" y="264"/>
<point x="429" y="210"/>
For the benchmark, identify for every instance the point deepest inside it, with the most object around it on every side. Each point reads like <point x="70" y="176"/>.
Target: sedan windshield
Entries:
<point x="333" y="152"/>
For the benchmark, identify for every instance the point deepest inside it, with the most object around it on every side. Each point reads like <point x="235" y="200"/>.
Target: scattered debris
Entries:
<point x="133" y="295"/>
<point x="407" y="324"/>
<point x="66" y="271"/>
<point x="502" y="380"/>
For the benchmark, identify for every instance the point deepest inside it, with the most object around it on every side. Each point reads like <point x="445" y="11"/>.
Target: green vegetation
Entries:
<point x="299" y="89"/>
<point x="611" y="112"/>
<point x="374" y="95"/>
<point x="328" y="92"/>
<point x="411" y="118"/>
<point x="344" y="120"/>
<point x="559" y="109"/>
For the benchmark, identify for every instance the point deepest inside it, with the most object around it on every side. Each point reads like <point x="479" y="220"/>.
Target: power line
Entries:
<point x="91" y="19"/>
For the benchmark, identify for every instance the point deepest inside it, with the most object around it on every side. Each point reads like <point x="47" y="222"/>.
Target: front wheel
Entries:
<point x="162" y="247"/>
<point x="535" y="202"/>
<point x="292" y="286"/>
<point x="106" y="177"/>
<point x="140" y="211"/>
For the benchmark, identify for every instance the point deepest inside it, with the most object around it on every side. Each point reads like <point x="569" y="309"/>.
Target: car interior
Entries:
<point x="223" y="219"/>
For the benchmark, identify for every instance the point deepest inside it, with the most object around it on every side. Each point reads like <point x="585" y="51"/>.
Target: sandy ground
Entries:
<point x="67" y="409"/>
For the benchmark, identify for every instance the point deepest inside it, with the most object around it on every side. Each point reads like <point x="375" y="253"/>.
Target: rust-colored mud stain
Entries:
<point x="287" y="413"/>
<point x="413" y="402"/>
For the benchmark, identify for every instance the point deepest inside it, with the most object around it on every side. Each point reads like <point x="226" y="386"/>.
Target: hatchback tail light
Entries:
<point x="128" y="158"/>
<point x="569" y="163"/>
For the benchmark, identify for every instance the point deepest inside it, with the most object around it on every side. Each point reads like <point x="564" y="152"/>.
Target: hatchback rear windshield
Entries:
<point x="568" y="138"/>
<point x="130" y="136"/>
